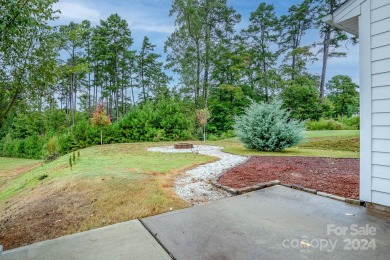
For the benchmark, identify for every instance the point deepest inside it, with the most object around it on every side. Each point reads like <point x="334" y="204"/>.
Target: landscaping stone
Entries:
<point x="310" y="190"/>
<point x="195" y="186"/>
<point x="331" y="196"/>
<point x="246" y="190"/>
<point x="352" y="201"/>
<point x="297" y="187"/>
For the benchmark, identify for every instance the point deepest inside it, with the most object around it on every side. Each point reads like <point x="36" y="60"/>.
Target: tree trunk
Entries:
<point x="197" y="87"/>
<point x="324" y="64"/>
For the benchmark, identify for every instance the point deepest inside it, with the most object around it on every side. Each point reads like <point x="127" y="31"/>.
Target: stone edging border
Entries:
<point x="264" y="185"/>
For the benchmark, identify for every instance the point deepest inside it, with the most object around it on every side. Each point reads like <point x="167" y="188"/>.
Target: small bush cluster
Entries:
<point x="352" y="123"/>
<point x="268" y="127"/>
<point x="165" y="120"/>
<point x="31" y="147"/>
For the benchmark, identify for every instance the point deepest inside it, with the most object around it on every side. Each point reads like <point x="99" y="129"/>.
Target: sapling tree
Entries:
<point x="268" y="127"/>
<point x="202" y="116"/>
<point x="70" y="162"/>
<point x="100" y="119"/>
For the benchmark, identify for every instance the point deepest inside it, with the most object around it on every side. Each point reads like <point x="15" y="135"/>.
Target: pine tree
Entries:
<point x="202" y="26"/>
<point x="72" y="42"/>
<point x="110" y="45"/>
<point x="262" y="36"/>
<point x="150" y="76"/>
<point x="295" y="25"/>
<point x="331" y="37"/>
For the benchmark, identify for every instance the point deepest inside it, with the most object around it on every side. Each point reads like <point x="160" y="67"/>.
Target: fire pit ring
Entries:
<point x="183" y="146"/>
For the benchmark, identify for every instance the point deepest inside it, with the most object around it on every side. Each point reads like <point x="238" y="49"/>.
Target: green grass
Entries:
<point x="333" y="144"/>
<point x="12" y="164"/>
<point x="348" y="144"/>
<point x="115" y="183"/>
<point x="130" y="161"/>
<point x="330" y="133"/>
<point x="107" y="185"/>
<point x="11" y="168"/>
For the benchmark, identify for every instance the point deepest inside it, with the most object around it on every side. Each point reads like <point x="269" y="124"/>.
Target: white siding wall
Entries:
<point x="380" y="105"/>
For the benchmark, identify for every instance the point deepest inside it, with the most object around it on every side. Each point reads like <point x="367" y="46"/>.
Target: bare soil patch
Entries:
<point x="335" y="176"/>
<point x="45" y="214"/>
<point x="59" y="208"/>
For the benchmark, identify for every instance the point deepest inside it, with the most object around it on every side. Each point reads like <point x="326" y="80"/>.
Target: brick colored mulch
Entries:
<point x="335" y="176"/>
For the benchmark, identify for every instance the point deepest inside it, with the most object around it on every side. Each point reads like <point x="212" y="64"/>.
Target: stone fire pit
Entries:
<point x="183" y="146"/>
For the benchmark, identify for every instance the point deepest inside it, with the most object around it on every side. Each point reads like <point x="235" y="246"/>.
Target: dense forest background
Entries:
<point x="67" y="87"/>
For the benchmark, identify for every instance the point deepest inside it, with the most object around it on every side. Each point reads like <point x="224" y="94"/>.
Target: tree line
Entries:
<point x="219" y="70"/>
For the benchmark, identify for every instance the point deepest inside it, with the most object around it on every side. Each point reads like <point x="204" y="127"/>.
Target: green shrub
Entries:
<point x="212" y="137"/>
<point x="65" y="143"/>
<point x="267" y="127"/>
<point x="167" y="119"/>
<point x="155" y="122"/>
<point x="325" y="124"/>
<point x="353" y="123"/>
<point x="228" y="134"/>
<point x="20" y="148"/>
<point x="52" y="145"/>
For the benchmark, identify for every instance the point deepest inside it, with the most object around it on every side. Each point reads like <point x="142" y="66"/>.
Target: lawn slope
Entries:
<point x="11" y="168"/>
<point x="108" y="184"/>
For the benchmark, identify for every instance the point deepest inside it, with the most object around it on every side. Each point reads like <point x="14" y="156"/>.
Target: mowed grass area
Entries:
<point x="115" y="183"/>
<point x="108" y="184"/>
<point x="333" y="144"/>
<point x="11" y="168"/>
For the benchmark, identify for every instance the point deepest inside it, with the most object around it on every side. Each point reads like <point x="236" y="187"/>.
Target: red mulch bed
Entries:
<point x="335" y="176"/>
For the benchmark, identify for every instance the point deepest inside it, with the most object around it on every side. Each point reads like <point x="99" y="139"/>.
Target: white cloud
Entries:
<point x="152" y="27"/>
<point x="77" y="12"/>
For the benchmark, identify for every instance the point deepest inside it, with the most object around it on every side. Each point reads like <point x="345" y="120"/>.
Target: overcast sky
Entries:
<point x="151" y="18"/>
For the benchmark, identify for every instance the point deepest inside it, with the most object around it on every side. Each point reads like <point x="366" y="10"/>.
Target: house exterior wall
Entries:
<point x="378" y="16"/>
<point x="370" y="20"/>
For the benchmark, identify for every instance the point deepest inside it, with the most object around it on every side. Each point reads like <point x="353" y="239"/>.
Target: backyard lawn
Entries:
<point x="108" y="184"/>
<point x="115" y="183"/>
<point x="333" y="144"/>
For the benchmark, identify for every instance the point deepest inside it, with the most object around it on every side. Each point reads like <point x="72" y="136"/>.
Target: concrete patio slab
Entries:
<point x="274" y="223"/>
<point x="128" y="240"/>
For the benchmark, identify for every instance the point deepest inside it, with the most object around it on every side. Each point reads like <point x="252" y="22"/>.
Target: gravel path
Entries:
<point x="195" y="185"/>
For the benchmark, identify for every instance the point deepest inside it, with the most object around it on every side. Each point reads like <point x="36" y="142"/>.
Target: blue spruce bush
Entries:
<point x="268" y="127"/>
